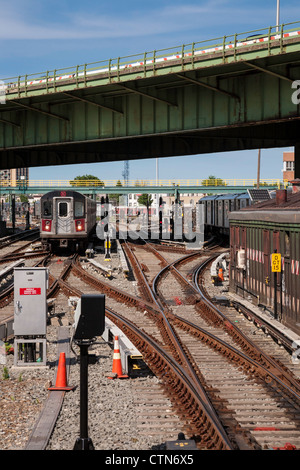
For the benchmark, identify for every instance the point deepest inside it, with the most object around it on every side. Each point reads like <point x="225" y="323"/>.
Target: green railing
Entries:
<point x="234" y="182"/>
<point x="226" y="45"/>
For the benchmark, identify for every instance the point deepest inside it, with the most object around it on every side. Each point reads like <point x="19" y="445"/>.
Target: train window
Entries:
<point x="63" y="209"/>
<point x="79" y="209"/>
<point x="47" y="208"/>
<point x="287" y="244"/>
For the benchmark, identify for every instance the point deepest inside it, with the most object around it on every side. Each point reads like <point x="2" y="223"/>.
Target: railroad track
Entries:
<point x="180" y="358"/>
<point x="202" y="374"/>
<point x="266" y="372"/>
<point x="160" y="358"/>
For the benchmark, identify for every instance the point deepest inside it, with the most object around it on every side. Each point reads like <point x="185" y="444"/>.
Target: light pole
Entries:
<point x="277" y="15"/>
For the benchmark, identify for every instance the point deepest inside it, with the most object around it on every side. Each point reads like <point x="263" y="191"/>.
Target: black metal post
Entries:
<point x="13" y="212"/>
<point x="84" y="442"/>
<point x="275" y="296"/>
<point x="297" y="161"/>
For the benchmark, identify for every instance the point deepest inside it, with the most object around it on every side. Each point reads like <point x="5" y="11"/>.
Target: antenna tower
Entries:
<point x="125" y="173"/>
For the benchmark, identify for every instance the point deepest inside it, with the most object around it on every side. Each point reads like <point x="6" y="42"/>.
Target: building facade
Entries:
<point x="288" y="172"/>
<point x="14" y="177"/>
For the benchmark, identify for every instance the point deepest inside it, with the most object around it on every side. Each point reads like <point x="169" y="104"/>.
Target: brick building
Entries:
<point x="288" y="166"/>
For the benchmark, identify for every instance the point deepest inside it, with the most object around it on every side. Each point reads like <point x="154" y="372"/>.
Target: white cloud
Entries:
<point x="16" y="24"/>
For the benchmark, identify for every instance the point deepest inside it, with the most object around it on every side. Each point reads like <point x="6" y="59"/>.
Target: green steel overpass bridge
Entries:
<point x="170" y="187"/>
<point x="231" y="93"/>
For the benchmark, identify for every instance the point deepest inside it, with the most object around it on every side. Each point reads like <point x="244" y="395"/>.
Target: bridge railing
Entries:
<point x="247" y="182"/>
<point x="225" y="45"/>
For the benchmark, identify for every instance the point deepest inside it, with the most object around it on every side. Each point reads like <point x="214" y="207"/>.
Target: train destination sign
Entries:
<point x="276" y="262"/>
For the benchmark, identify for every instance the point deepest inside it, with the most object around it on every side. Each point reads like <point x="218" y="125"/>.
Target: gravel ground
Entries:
<point x="111" y="404"/>
<point x="22" y="395"/>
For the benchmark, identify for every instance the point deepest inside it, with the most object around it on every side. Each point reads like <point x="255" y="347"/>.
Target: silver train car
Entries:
<point x="68" y="219"/>
<point x="217" y="207"/>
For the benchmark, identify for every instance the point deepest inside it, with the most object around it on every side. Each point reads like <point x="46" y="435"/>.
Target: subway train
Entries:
<point x="216" y="208"/>
<point x="68" y="220"/>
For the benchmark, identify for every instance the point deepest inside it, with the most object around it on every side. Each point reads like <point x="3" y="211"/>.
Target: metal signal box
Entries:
<point x="30" y="301"/>
<point x="89" y="317"/>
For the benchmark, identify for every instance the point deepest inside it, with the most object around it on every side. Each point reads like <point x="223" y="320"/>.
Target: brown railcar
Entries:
<point x="256" y="233"/>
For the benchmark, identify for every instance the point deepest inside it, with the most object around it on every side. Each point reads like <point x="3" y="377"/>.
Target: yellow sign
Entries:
<point x="276" y="263"/>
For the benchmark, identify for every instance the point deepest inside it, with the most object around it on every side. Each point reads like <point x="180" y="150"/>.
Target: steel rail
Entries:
<point x="186" y="367"/>
<point x="113" y="291"/>
<point x="268" y="328"/>
<point x="253" y="350"/>
<point x="183" y="355"/>
<point x="251" y="365"/>
<point x="9" y="240"/>
<point x="197" y="390"/>
<point x="259" y="355"/>
<point x="17" y="250"/>
<point x="199" y="394"/>
<point x="173" y="339"/>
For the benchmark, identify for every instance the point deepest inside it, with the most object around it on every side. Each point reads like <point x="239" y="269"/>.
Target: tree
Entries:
<point x="86" y="180"/>
<point x="23" y="198"/>
<point x="213" y="181"/>
<point x="145" y="200"/>
<point x="116" y="196"/>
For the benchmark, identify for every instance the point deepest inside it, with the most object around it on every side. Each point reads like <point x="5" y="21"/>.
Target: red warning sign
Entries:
<point x="30" y="291"/>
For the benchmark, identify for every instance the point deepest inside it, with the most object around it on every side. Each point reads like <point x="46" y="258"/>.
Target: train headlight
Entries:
<point x="79" y="225"/>
<point x="46" y="225"/>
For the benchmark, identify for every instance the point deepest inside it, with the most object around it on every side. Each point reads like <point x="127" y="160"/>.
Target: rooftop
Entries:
<point x="283" y="209"/>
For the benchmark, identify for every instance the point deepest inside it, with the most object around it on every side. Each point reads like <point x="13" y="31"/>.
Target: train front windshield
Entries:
<point x="47" y="208"/>
<point x="79" y="209"/>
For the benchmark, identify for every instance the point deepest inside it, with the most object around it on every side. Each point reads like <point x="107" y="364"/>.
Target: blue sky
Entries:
<point x="36" y="36"/>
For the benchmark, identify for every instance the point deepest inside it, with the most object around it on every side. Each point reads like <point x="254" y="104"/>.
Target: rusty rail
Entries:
<point x="213" y="314"/>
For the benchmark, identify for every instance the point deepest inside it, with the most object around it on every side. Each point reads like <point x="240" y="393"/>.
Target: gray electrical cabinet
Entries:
<point x="30" y="301"/>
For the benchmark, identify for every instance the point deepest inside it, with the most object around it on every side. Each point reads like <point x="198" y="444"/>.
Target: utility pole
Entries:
<point x="258" y="169"/>
<point x="277" y="15"/>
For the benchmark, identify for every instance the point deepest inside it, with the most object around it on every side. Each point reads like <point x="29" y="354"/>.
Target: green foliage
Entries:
<point x="23" y="198"/>
<point x="5" y="373"/>
<point x="213" y="181"/>
<point x="116" y="196"/>
<point x="145" y="200"/>
<point x="264" y="183"/>
<point x="86" y="180"/>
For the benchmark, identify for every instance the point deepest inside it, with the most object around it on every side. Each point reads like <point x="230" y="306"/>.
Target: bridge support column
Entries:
<point x="297" y="160"/>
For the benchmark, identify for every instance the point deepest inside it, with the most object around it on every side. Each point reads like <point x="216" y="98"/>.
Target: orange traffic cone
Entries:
<point x="117" y="364"/>
<point x="61" y="376"/>
<point x="221" y="277"/>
